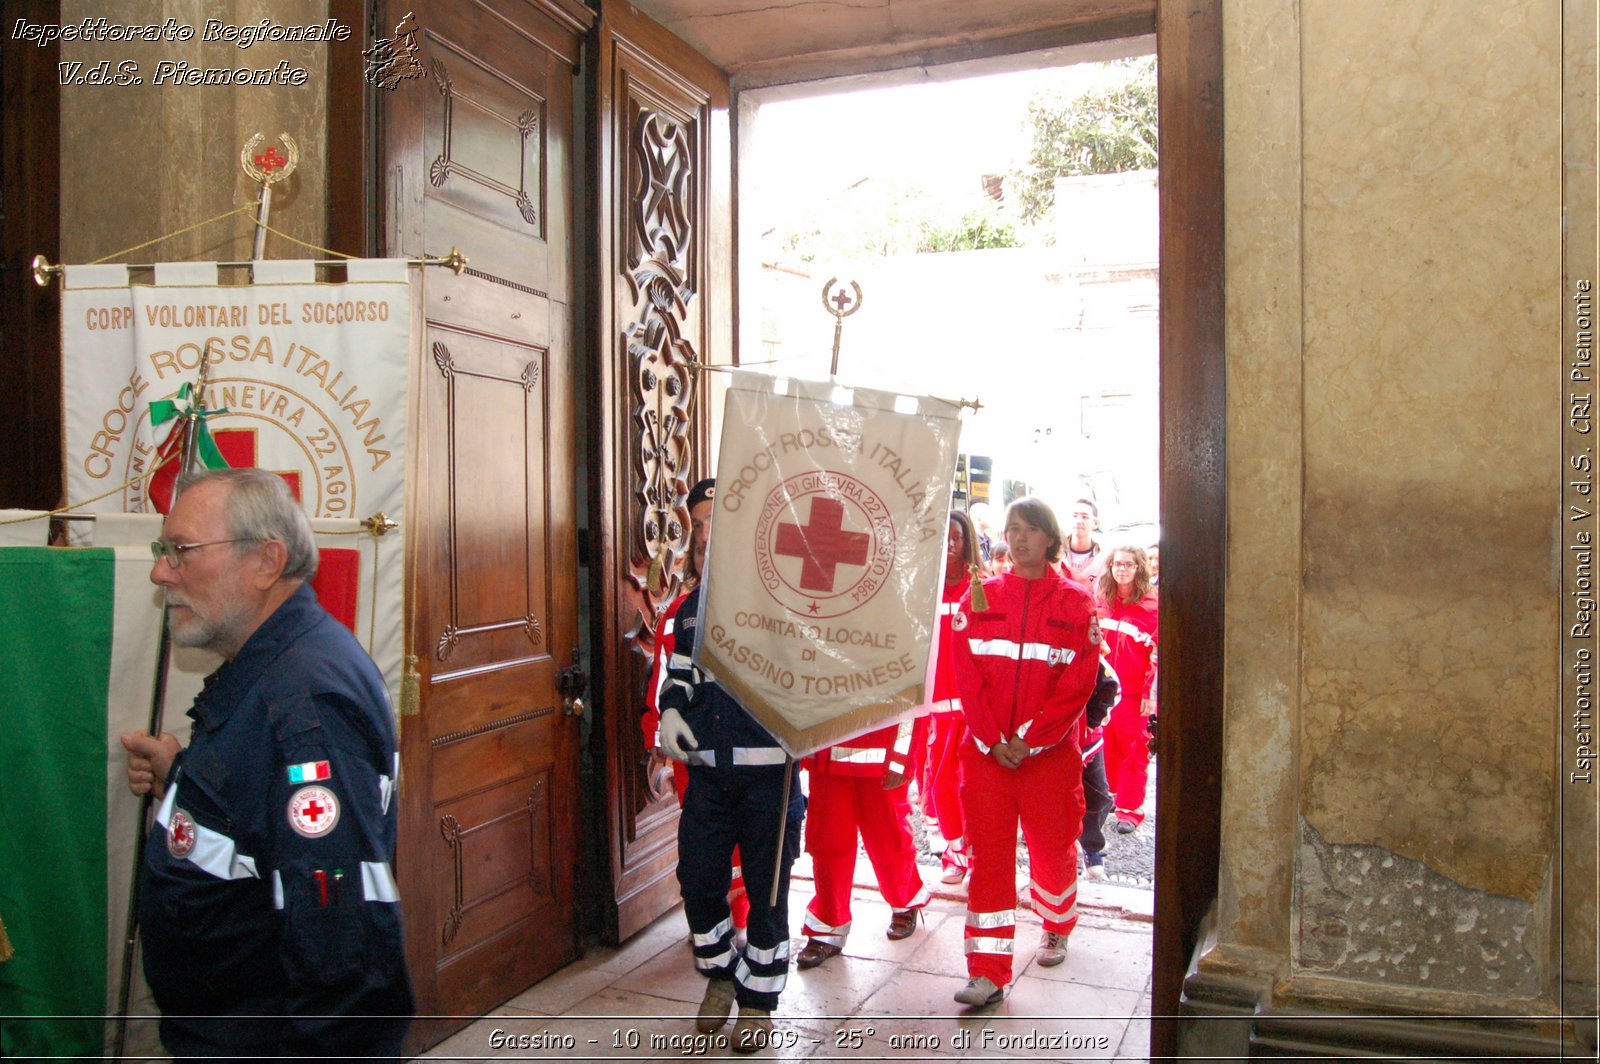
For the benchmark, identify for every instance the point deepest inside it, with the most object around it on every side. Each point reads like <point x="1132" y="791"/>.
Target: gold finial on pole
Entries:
<point x="836" y="302"/>
<point x="267" y="169"/>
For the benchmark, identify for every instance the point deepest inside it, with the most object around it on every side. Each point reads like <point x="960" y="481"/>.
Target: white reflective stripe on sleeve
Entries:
<point x="947" y="608"/>
<point x="164" y="813"/>
<point x="1130" y="630"/>
<point x="902" y="738"/>
<point x="377" y="882"/>
<point x="766" y="984"/>
<point x="759" y="755"/>
<point x="995" y="648"/>
<point x="385" y="790"/>
<point x="680" y="661"/>
<point x="990" y="921"/>
<point x="984" y="748"/>
<point x="772" y="955"/>
<point x="947" y="705"/>
<point x="703" y="758"/>
<point x="715" y="935"/>
<point x="990" y="945"/>
<point x="277" y="889"/>
<point x="213" y="851"/>
<point x="857" y="755"/>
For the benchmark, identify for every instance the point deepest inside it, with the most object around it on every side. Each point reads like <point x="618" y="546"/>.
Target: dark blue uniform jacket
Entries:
<point x="268" y="884"/>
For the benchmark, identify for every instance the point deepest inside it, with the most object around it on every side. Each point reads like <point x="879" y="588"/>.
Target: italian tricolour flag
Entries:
<point x="78" y="637"/>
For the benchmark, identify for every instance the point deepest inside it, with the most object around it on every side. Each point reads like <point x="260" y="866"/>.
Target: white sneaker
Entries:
<point x="1095" y="871"/>
<point x="980" y="991"/>
<point x="1052" y="950"/>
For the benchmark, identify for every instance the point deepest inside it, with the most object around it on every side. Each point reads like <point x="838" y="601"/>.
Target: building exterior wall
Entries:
<point x="1397" y="819"/>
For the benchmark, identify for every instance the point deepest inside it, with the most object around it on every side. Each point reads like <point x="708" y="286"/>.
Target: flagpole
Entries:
<point x="188" y="460"/>
<point x="783" y="827"/>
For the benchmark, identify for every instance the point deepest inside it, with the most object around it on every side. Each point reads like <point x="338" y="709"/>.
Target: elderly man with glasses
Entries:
<point x="267" y="900"/>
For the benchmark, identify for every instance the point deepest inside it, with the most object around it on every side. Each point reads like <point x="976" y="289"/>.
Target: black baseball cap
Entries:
<point x="706" y="489"/>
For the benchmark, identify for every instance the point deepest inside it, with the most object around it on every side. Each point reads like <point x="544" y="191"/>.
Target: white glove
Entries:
<point x="676" y="736"/>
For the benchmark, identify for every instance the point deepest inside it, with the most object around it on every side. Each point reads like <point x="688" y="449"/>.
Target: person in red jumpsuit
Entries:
<point x="941" y="797"/>
<point x="860" y="787"/>
<point x="700" y="506"/>
<point x="1026" y="666"/>
<point x="1128" y="611"/>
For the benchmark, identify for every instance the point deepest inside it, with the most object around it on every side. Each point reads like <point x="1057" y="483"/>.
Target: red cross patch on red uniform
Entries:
<point x="180" y="834"/>
<point x="313" y="811"/>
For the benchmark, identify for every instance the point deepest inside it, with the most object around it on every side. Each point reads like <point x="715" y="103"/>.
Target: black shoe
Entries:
<point x="902" y="924"/>
<point x="814" y="953"/>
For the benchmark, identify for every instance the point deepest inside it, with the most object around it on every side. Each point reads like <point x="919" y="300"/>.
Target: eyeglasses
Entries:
<point x="174" y="552"/>
<point x="1124" y="565"/>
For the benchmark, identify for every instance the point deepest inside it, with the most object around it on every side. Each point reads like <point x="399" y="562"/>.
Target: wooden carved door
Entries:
<point x="665" y="304"/>
<point x="478" y="154"/>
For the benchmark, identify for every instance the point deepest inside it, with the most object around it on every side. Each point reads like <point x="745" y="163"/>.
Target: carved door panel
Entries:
<point x="478" y="154"/>
<point x="665" y="303"/>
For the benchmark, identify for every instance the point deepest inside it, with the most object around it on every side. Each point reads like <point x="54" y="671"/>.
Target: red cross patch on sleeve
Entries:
<point x="313" y="811"/>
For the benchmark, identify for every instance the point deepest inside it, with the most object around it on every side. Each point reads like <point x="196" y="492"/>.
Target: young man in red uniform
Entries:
<point x="1026" y="665"/>
<point x="860" y="786"/>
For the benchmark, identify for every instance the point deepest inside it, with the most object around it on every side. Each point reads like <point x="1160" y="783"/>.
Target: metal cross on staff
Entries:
<point x="837" y="302"/>
<point x="267" y="168"/>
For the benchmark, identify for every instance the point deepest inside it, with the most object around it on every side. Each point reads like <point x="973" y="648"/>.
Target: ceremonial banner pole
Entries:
<point x="268" y="168"/>
<point x="188" y="459"/>
<point x="835" y="305"/>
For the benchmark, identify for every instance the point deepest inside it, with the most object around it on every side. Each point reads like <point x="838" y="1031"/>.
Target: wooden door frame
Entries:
<point x="1194" y="511"/>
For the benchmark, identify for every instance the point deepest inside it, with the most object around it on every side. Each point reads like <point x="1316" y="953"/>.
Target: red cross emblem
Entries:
<point x="180" y="834"/>
<point x="238" y="447"/>
<point x="836" y="506"/>
<point x="270" y="160"/>
<point x="313" y="811"/>
<point x="823" y="544"/>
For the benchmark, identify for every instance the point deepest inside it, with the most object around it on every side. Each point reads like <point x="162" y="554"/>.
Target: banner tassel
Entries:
<point x="980" y="601"/>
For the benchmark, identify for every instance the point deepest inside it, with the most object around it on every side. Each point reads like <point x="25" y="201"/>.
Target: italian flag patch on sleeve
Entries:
<point x="309" y="772"/>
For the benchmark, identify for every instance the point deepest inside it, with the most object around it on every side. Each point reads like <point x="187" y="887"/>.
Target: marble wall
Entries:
<point x="1395" y="312"/>
<point x="146" y="159"/>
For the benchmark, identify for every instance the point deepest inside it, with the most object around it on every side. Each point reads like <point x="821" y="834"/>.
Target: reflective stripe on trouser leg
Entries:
<point x="706" y="835"/>
<point x="1051" y="820"/>
<point x="831" y="934"/>
<point x="989" y="797"/>
<point x="764" y="967"/>
<point x="989" y="941"/>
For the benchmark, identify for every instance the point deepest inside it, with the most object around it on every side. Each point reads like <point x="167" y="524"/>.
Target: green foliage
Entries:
<point x="980" y="227"/>
<point x="1105" y="131"/>
<point x="883" y="219"/>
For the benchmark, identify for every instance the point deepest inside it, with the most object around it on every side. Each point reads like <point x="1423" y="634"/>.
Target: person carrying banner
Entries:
<point x="859" y="787"/>
<point x="701" y="509"/>
<point x="941" y="798"/>
<point x="267" y="900"/>
<point x="737" y="778"/>
<point x="1025" y="665"/>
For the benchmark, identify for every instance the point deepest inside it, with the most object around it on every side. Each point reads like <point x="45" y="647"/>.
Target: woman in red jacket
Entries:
<point x="941" y="799"/>
<point x="1128" y="610"/>
<point x="1026" y="664"/>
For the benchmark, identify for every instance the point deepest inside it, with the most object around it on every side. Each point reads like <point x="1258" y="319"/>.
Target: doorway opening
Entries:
<point x="1000" y="219"/>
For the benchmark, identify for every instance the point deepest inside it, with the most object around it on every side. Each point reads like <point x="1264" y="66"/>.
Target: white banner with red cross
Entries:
<point x="304" y="378"/>
<point x="826" y="554"/>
